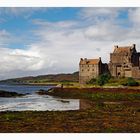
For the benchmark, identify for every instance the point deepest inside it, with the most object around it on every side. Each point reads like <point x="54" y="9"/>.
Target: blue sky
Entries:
<point x="20" y="24"/>
<point x="36" y="41"/>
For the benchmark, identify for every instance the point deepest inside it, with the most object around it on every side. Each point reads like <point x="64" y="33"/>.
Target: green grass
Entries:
<point x="112" y="97"/>
<point x="115" y="82"/>
<point x="11" y="117"/>
<point x="100" y="96"/>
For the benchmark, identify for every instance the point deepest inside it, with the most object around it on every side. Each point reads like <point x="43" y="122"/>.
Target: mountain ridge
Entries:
<point x="61" y="77"/>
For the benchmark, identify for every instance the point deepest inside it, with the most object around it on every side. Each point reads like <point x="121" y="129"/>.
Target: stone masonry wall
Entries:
<point x="87" y="72"/>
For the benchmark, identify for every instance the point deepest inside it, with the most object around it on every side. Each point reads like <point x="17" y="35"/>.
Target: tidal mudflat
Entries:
<point x="116" y="111"/>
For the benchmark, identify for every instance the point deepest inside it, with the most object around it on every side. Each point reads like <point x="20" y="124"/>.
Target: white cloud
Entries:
<point x="98" y="15"/>
<point x="60" y="45"/>
<point x="134" y="15"/>
<point x="4" y="37"/>
<point x="20" y="11"/>
<point x="18" y="60"/>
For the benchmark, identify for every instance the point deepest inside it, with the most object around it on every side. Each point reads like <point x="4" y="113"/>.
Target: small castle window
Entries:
<point x="92" y="69"/>
<point x="88" y="69"/>
<point x="119" y="73"/>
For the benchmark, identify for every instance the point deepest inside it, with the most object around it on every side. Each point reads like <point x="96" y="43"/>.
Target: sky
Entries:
<point x="38" y="41"/>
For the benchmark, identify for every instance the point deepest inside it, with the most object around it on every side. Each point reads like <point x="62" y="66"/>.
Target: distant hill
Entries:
<point x="70" y="77"/>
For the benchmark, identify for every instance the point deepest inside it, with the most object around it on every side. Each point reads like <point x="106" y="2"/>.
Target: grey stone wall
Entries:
<point x="87" y="72"/>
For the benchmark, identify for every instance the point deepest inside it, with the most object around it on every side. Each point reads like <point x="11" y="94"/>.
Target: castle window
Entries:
<point x="119" y="73"/>
<point x="126" y="66"/>
<point x="92" y="69"/>
<point x="88" y="69"/>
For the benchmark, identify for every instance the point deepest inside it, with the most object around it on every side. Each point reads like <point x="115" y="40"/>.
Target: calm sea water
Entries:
<point x="33" y="101"/>
<point x="23" y="88"/>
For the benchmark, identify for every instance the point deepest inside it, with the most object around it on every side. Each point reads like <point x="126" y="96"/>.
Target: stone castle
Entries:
<point x="124" y="62"/>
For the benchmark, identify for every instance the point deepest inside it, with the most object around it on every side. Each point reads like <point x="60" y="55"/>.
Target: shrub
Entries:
<point x="123" y="81"/>
<point x="132" y="82"/>
<point x="92" y="81"/>
<point x="129" y="82"/>
<point x="103" y="79"/>
<point x="113" y="80"/>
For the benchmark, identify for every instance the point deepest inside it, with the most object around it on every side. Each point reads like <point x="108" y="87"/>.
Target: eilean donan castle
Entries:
<point x="124" y="62"/>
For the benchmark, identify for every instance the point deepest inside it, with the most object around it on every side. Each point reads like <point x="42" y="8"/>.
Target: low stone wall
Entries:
<point x="136" y="72"/>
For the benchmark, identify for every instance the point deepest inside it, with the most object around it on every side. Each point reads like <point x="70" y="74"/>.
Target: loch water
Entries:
<point x="33" y="101"/>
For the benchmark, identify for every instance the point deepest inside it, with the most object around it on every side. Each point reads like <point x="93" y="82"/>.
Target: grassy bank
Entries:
<point x="96" y="94"/>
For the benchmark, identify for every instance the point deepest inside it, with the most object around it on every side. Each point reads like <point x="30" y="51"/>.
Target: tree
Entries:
<point x="103" y="79"/>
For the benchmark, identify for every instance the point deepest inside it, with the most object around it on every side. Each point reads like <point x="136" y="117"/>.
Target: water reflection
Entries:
<point x="38" y="103"/>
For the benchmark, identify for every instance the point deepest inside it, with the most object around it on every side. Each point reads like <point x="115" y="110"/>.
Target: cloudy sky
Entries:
<point x="36" y="41"/>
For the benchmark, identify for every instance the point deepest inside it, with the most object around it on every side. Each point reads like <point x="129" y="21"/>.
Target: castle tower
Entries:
<point x="89" y="68"/>
<point x="122" y="61"/>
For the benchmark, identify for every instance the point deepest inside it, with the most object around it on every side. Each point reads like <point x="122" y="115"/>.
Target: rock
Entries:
<point x="64" y="101"/>
<point x="41" y="92"/>
<point x="9" y="94"/>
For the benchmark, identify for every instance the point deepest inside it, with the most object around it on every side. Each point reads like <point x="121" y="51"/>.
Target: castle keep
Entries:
<point x="124" y="62"/>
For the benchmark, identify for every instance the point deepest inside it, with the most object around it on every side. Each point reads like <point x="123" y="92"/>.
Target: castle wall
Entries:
<point x="116" y="58"/>
<point x="135" y="59"/>
<point x="128" y="73"/>
<point x="118" y="70"/>
<point x="104" y="68"/>
<point x="122" y="60"/>
<point x="136" y="72"/>
<point x="87" y="72"/>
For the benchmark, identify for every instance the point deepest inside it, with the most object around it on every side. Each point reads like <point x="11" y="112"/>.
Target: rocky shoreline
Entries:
<point x="88" y="93"/>
<point x="9" y="94"/>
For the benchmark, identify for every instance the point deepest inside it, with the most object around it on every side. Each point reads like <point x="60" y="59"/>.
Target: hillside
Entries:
<point x="73" y="77"/>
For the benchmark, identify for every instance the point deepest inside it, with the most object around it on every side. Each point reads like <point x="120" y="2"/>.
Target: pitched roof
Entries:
<point x="89" y="61"/>
<point x="122" y="50"/>
<point x="125" y="49"/>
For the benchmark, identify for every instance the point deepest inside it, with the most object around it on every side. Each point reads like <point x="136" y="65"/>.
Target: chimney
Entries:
<point x="85" y="59"/>
<point x="116" y="46"/>
<point x="81" y="59"/>
<point x="133" y="46"/>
